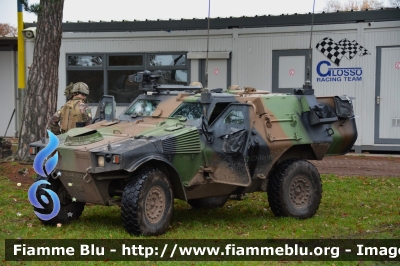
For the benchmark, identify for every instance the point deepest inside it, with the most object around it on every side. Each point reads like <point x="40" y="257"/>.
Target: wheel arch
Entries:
<point x="165" y="166"/>
<point x="313" y="151"/>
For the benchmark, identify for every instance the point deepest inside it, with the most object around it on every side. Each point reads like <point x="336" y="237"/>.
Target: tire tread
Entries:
<point x="275" y="183"/>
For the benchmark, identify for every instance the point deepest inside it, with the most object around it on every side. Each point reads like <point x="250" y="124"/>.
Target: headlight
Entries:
<point x="33" y="150"/>
<point x="116" y="159"/>
<point x="100" y="161"/>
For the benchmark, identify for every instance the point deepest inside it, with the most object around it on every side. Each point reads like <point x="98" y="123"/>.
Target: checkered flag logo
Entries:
<point x="335" y="51"/>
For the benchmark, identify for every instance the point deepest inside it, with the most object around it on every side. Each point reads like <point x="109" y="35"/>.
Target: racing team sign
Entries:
<point x="335" y="52"/>
<point x="332" y="74"/>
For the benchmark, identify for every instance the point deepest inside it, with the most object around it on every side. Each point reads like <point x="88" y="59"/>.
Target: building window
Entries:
<point x="167" y="60"/>
<point x="125" y="60"/>
<point x="171" y="66"/>
<point x="120" y="87"/>
<point x="85" y="60"/>
<point x="93" y="78"/>
<point x="108" y="73"/>
<point x="173" y="76"/>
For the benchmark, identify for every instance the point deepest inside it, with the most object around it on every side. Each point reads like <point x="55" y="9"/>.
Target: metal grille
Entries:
<point x="188" y="142"/>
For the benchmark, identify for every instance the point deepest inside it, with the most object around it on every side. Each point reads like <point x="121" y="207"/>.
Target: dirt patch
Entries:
<point x="338" y="165"/>
<point x="362" y="165"/>
<point x="17" y="173"/>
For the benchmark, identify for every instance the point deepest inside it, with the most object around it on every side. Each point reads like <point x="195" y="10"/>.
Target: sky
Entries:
<point x="118" y="10"/>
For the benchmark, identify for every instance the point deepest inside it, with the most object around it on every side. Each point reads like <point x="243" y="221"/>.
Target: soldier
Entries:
<point x="75" y="113"/>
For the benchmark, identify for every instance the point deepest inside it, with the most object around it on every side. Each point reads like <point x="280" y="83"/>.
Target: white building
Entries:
<point x="8" y="85"/>
<point x="266" y="52"/>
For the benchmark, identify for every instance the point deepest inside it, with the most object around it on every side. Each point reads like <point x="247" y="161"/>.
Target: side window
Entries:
<point x="234" y="117"/>
<point x="191" y="111"/>
<point x="218" y="109"/>
<point x="142" y="108"/>
<point x="108" y="108"/>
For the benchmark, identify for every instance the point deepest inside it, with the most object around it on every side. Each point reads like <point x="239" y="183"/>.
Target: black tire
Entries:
<point x="69" y="210"/>
<point x="147" y="203"/>
<point x="295" y="189"/>
<point x="208" y="203"/>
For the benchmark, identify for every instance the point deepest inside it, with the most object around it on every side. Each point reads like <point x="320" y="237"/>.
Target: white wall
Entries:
<point x="8" y="87"/>
<point x="251" y="56"/>
<point x="252" y="61"/>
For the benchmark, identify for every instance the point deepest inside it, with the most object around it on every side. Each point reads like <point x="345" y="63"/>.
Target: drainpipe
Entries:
<point x="21" y="68"/>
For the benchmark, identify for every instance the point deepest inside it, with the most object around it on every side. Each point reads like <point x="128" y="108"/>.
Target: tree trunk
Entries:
<point x="42" y="88"/>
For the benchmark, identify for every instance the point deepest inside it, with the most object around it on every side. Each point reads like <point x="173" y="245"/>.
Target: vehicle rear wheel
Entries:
<point x="294" y="189"/>
<point x="208" y="203"/>
<point x="147" y="203"/>
<point x="69" y="210"/>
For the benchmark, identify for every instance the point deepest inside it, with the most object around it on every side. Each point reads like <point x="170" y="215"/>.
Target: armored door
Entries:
<point x="228" y="149"/>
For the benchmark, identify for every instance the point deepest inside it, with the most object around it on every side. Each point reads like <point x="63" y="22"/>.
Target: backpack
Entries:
<point x="70" y="114"/>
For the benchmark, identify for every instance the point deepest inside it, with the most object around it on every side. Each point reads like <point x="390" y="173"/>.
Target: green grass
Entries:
<point x="351" y="207"/>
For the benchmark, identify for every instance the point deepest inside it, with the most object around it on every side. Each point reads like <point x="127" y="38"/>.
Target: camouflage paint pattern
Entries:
<point x="202" y="157"/>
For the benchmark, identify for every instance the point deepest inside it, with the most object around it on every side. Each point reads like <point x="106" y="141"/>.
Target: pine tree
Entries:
<point x="42" y="87"/>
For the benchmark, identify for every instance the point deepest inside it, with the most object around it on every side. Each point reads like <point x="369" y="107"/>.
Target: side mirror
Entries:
<point x="206" y="96"/>
<point x="206" y="99"/>
<point x="205" y="113"/>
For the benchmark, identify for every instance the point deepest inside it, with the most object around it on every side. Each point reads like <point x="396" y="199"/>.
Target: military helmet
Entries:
<point x="196" y="83"/>
<point x="80" y="87"/>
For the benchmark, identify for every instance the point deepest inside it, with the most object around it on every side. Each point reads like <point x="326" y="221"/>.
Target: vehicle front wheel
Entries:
<point x="147" y="203"/>
<point x="294" y="189"/>
<point x="70" y="210"/>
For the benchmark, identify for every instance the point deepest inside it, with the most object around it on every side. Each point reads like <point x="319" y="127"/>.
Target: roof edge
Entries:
<point x="228" y="23"/>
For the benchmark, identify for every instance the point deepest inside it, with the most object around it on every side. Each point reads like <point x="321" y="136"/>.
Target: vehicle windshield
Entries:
<point x="189" y="110"/>
<point x="142" y="107"/>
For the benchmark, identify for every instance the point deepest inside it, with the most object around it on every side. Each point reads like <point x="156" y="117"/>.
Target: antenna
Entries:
<point x="307" y="83"/>
<point x="208" y="41"/>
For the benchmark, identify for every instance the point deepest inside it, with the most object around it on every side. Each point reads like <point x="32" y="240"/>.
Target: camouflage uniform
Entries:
<point x="73" y="111"/>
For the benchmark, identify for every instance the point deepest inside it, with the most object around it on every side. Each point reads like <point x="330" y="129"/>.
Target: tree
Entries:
<point x="371" y="4"/>
<point x="333" y="5"/>
<point x="42" y="87"/>
<point x="394" y="3"/>
<point x="7" y="30"/>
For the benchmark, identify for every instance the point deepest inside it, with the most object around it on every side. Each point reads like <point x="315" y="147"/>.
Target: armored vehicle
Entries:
<point x="200" y="146"/>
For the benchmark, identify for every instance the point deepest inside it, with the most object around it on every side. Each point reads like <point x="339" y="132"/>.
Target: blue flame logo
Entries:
<point x="43" y="166"/>
<point x="32" y="198"/>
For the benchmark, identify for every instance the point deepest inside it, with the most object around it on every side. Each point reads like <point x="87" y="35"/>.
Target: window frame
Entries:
<point x="83" y="67"/>
<point x="105" y="66"/>
<point x="177" y="67"/>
